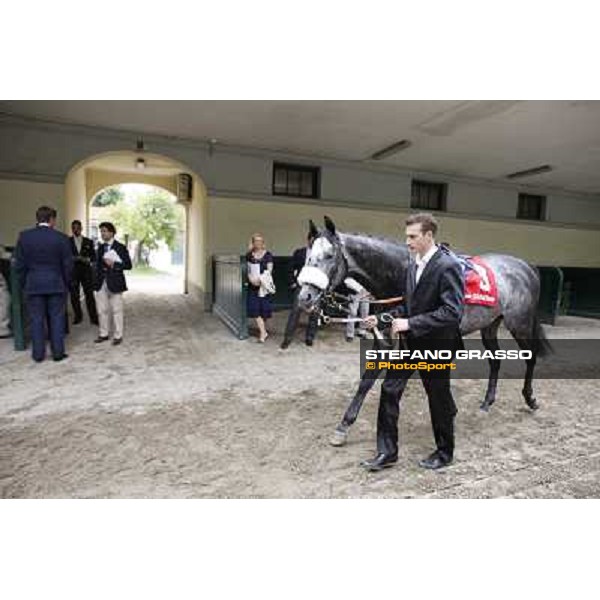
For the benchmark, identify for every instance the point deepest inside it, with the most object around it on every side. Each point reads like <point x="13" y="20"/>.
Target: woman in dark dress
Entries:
<point x="259" y="307"/>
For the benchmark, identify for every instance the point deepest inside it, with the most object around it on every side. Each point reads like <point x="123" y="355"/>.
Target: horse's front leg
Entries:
<point x="340" y="435"/>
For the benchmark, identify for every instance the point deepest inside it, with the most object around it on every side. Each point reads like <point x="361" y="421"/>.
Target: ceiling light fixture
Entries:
<point x="389" y="150"/>
<point x="529" y="172"/>
<point x="211" y="146"/>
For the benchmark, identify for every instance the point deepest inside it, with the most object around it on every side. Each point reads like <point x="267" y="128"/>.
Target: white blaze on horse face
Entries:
<point x="321" y="248"/>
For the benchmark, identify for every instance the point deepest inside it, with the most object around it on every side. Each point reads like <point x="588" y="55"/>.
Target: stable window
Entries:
<point x="531" y="207"/>
<point x="296" y="180"/>
<point x="428" y="195"/>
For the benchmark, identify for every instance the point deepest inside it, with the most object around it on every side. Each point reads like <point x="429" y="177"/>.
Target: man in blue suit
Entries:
<point x="44" y="264"/>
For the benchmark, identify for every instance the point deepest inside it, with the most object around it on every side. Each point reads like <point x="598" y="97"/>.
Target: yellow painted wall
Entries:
<point x="18" y="202"/>
<point x="196" y="247"/>
<point x="96" y="180"/>
<point x="76" y="197"/>
<point x="284" y="225"/>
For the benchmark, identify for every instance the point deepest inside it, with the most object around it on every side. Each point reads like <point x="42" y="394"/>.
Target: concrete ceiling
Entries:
<point x="477" y="139"/>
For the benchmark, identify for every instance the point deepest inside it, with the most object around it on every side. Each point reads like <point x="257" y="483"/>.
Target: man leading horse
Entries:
<point x="434" y="307"/>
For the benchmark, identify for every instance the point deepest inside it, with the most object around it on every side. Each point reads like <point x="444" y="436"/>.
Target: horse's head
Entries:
<point x="325" y="269"/>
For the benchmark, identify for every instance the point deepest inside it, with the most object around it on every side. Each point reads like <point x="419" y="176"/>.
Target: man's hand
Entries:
<point x="399" y="325"/>
<point x="370" y="322"/>
<point x="109" y="263"/>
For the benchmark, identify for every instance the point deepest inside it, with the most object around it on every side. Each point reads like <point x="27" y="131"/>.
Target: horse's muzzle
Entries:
<point x="309" y="297"/>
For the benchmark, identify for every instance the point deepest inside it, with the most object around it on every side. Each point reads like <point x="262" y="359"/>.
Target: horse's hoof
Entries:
<point x="338" y="438"/>
<point x="532" y="403"/>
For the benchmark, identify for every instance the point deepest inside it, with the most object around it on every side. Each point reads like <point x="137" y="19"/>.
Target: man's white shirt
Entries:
<point x="422" y="262"/>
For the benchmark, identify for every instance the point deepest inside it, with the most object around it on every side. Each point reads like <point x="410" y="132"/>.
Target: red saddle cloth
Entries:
<point x="480" y="283"/>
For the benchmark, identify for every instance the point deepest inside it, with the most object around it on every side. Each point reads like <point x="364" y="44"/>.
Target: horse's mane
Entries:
<point x="372" y="236"/>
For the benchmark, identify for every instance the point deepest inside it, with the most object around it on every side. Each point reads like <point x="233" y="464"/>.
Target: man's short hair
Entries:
<point x="44" y="213"/>
<point x="427" y="221"/>
<point x="76" y="222"/>
<point x="108" y="225"/>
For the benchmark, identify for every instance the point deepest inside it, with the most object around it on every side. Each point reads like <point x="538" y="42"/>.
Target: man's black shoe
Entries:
<point x="100" y="339"/>
<point x="95" y="322"/>
<point x="117" y="341"/>
<point x="60" y="357"/>
<point x="309" y="342"/>
<point x="381" y="461"/>
<point x="435" y="461"/>
<point x="77" y="320"/>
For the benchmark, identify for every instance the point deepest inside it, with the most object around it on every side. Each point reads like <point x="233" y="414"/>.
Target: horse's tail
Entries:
<point x="542" y="346"/>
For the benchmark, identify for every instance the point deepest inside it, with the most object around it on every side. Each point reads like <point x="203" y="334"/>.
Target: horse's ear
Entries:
<point x="329" y="225"/>
<point x="312" y="229"/>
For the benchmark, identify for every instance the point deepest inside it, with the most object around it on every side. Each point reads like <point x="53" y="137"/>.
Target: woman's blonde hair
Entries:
<point x="251" y="242"/>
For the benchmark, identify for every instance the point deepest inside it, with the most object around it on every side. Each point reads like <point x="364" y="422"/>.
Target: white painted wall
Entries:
<point x="464" y="198"/>
<point x="573" y="210"/>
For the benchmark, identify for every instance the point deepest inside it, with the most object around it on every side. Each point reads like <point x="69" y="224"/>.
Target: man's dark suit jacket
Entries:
<point x="115" y="278"/>
<point x="435" y="304"/>
<point x="44" y="261"/>
<point x="87" y="249"/>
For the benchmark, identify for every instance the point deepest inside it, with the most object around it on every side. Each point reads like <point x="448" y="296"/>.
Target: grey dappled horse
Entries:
<point x="380" y="265"/>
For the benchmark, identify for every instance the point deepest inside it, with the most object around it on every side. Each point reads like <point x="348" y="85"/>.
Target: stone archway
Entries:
<point x="161" y="267"/>
<point x="97" y="172"/>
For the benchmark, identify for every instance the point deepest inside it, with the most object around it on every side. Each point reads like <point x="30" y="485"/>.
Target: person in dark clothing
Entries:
<point x="299" y="259"/>
<point x="434" y="305"/>
<point x="44" y="264"/>
<point x="5" y="329"/>
<point x="259" y="262"/>
<point x="84" y="257"/>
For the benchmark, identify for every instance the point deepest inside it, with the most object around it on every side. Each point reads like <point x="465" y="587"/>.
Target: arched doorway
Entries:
<point x="152" y="224"/>
<point x="96" y="173"/>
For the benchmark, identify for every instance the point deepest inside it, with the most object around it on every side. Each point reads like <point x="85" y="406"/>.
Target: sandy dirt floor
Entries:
<point x="184" y="409"/>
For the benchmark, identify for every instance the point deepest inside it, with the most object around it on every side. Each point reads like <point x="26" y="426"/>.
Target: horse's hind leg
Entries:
<point x="527" y="391"/>
<point x="340" y="434"/>
<point x="489" y="337"/>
